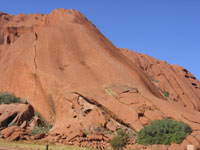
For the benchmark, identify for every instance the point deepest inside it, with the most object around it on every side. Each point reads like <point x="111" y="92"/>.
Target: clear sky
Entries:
<point x="165" y="29"/>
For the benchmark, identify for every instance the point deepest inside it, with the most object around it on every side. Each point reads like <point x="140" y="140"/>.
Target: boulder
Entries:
<point x="94" y="137"/>
<point x="77" y="133"/>
<point x="39" y="136"/>
<point x="36" y="121"/>
<point x="111" y="126"/>
<point x="15" y="114"/>
<point x="15" y="133"/>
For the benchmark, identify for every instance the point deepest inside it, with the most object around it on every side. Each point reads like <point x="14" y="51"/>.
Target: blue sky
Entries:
<point x="165" y="29"/>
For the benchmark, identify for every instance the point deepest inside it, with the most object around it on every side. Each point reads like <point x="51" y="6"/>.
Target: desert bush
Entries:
<point x="121" y="132"/>
<point x="119" y="141"/>
<point x="43" y="129"/>
<point x="166" y="94"/>
<point x="6" y="98"/>
<point x="164" y="131"/>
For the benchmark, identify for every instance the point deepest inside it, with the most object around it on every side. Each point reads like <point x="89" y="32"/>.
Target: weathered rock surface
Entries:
<point x="77" y="79"/>
<point x="15" y="133"/>
<point x="36" y="122"/>
<point x="14" y="119"/>
<point x="182" y="86"/>
<point x="39" y="136"/>
<point x="15" y="114"/>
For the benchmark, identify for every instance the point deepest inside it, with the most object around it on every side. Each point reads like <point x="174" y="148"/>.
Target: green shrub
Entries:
<point x="43" y="128"/>
<point x="121" y="132"/>
<point x="119" y="141"/>
<point x="166" y="94"/>
<point x="6" y="98"/>
<point x="38" y="130"/>
<point x="164" y="131"/>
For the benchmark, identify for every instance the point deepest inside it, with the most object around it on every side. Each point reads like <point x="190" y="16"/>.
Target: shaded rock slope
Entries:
<point x="78" y="80"/>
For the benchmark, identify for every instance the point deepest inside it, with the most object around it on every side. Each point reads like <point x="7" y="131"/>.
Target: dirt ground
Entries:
<point x="33" y="145"/>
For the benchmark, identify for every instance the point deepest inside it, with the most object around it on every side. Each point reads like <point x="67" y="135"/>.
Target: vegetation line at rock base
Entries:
<point x="44" y="128"/>
<point x="30" y="145"/>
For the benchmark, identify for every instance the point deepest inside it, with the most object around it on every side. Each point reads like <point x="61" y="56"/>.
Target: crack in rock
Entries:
<point x="35" y="57"/>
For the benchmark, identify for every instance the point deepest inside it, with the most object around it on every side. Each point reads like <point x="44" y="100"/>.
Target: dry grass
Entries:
<point x="32" y="145"/>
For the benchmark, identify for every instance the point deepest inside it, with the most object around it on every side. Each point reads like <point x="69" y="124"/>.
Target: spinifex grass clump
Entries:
<point x="164" y="131"/>
<point x="41" y="129"/>
<point x="6" y="98"/>
<point x="44" y="127"/>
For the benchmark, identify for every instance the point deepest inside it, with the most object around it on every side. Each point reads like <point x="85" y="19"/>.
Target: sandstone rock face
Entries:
<point x="78" y="80"/>
<point x="15" y="114"/>
<point x="182" y="86"/>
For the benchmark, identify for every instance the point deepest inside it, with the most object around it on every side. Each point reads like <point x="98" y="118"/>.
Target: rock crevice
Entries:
<point x="106" y="110"/>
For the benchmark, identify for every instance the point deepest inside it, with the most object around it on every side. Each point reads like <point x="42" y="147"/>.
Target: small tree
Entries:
<point x="164" y="131"/>
<point x="119" y="141"/>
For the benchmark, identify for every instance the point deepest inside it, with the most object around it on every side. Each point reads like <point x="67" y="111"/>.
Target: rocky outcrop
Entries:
<point x="14" y="119"/>
<point x="19" y="122"/>
<point x="15" y="114"/>
<point x="79" y="138"/>
<point x="80" y="82"/>
<point x="181" y="85"/>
